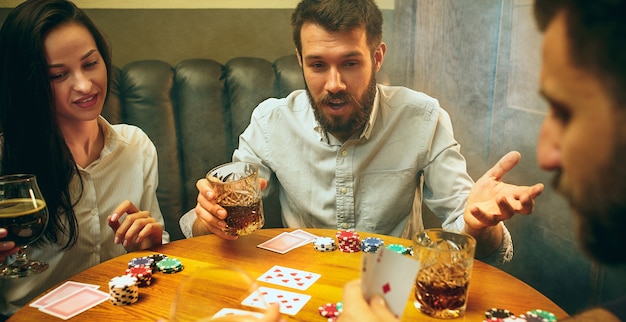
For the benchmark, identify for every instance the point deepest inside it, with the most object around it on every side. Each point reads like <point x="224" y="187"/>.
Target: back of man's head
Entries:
<point x="596" y="34"/>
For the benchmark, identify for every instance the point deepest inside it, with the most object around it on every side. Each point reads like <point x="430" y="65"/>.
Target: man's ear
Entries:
<point x="379" y="55"/>
<point x="299" y="57"/>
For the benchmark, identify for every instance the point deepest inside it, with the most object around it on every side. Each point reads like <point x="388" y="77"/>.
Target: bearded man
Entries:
<point x="348" y="153"/>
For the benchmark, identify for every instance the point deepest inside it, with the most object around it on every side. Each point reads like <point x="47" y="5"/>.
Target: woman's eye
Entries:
<point x="90" y="64"/>
<point x="56" y="76"/>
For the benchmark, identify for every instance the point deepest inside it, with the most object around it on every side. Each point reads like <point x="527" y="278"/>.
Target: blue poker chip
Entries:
<point x="371" y="244"/>
<point x="141" y="261"/>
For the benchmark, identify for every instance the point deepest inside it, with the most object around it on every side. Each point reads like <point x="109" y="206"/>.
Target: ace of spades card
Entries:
<point x="389" y="274"/>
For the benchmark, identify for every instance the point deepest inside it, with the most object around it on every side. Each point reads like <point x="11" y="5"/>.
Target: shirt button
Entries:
<point x="344" y="153"/>
<point x="344" y="190"/>
<point x="344" y="225"/>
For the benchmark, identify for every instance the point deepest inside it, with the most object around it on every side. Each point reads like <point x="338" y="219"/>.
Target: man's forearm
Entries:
<point x="488" y="240"/>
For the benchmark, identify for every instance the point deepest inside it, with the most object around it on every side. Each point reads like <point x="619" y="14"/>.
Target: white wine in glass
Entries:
<point x="23" y="213"/>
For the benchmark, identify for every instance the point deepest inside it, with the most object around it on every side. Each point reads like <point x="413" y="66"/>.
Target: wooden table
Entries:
<point x="489" y="287"/>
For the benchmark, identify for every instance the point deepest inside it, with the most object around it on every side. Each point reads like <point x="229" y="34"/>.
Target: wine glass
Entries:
<point x="215" y="293"/>
<point x="24" y="214"/>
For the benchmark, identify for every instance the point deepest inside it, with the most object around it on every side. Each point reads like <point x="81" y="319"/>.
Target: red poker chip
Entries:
<point x="329" y="310"/>
<point x="139" y="271"/>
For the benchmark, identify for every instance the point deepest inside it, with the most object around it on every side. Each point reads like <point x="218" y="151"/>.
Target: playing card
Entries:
<point x="231" y="312"/>
<point x="75" y="303"/>
<point x="391" y="275"/>
<point x="289" y="277"/>
<point x="304" y="234"/>
<point x="283" y="243"/>
<point x="290" y="302"/>
<point x="60" y="292"/>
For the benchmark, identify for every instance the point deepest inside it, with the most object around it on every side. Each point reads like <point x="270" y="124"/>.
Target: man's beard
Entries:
<point x="600" y="207"/>
<point x="357" y="120"/>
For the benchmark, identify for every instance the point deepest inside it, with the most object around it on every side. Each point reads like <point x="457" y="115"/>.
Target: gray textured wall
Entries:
<point x="481" y="59"/>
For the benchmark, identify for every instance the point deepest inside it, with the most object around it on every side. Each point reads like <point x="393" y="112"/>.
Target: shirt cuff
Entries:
<point x="504" y="254"/>
<point x="186" y="223"/>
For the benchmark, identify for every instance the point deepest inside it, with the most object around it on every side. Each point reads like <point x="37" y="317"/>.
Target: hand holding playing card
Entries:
<point x="355" y="308"/>
<point x="390" y="275"/>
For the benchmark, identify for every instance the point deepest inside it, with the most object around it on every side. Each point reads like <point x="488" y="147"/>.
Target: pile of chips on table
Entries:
<point x="349" y="241"/>
<point x="124" y="290"/>
<point x="502" y="315"/>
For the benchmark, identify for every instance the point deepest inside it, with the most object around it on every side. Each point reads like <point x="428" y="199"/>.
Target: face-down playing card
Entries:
<point x="283" y="243"/>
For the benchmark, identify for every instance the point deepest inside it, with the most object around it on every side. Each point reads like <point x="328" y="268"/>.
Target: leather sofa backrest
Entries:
<point x="194" y="113"/>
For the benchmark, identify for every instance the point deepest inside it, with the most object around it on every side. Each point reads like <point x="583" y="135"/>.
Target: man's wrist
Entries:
<point x="199" y="228"/>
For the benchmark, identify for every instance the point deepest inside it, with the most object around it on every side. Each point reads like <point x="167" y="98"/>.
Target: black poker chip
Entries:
<point x="497" y="313"/>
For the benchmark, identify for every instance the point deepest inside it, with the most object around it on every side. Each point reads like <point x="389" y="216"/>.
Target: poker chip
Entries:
<point x="143" y="274"/>
<point x="324" y="244"/>
<point x="156" y="258"/>
<point x="123" y="290"/>
<point x="348" y="241"/>
<point x="545" y="315"/>
<point x="170" y="265"/>
<point x="141" y="261"/>
<point x="329" y="310"/>
<point x="497" y="313"/>
<point x="371" y="244"/>
<point x="397" y="248"/>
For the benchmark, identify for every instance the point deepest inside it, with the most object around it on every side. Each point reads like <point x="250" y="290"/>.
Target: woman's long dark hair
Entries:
<point x="33" y="142"/>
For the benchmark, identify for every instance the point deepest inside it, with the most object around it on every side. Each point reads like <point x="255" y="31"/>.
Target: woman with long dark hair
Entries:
<point x="99" y="180"/>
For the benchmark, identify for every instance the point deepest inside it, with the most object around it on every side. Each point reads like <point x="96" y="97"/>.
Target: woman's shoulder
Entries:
<point x="128" y="135"/>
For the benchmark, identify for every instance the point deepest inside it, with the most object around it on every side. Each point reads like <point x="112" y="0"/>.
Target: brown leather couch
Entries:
<point x="194" y="113"/>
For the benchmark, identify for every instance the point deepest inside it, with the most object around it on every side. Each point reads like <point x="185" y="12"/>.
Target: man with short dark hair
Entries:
<point x="583" y="137"/>
<point x="348" y="153"/>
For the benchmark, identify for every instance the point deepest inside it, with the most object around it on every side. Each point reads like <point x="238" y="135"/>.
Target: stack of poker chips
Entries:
<point x="349" y="241"/>
<point x="123" y="290"/>
<point x="324" y="244"/>
<point x="503" y="315"/>
<point x="397" y="248"/>
<point x="141" y="261"/>
<point x="156" y="258"/>
<point x="143" y="274"/>
<point x="170" y="265"/>
<point x="371" y="244"/>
